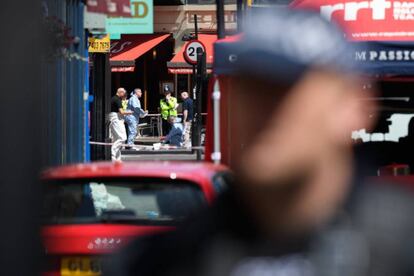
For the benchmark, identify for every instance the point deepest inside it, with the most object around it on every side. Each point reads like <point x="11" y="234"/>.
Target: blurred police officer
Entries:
<point x="292" y="156"/>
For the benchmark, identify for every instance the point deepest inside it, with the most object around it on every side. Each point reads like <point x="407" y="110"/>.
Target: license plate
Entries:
<point x="80" y="266"/>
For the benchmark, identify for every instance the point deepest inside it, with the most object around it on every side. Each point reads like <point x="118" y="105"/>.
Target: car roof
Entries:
<point x="192" y="171"/>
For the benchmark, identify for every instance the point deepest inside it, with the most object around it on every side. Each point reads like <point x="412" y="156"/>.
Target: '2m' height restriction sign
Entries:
<point x="190" y="51"/>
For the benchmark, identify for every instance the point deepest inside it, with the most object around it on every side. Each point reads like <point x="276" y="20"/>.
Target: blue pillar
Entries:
<point x="75" y="86"/>
<point x="86" y="111"/>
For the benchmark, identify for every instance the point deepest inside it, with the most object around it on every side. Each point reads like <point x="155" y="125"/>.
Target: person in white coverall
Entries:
<point x="117" y="131"/>
<point x="132" y="121"/>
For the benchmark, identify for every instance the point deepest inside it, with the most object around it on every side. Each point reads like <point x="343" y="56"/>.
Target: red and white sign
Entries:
<point x="374" y="20"/>
<point x="117" y="8"/>
<point x="190" y="51"/>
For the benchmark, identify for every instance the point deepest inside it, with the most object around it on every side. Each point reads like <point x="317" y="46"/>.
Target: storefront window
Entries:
<point x="398" y="127"/>
<point x="392" y="137"/>
<point x="183" y="83"/>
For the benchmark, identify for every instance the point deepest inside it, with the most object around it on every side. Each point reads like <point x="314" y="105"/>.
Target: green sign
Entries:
<point x="115" y="36"/>
<point x="140" y="22"/>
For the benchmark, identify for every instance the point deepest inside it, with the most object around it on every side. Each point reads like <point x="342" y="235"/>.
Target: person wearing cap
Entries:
<point x="168" y="106"/>
<point x="132" y="120"/>
<point x="117" y="131"/>
<point x="292" y="157"/>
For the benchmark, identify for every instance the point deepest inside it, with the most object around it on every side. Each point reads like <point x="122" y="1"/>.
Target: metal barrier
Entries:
<point x="159" y="121"/>
<point x="143" y="146"/>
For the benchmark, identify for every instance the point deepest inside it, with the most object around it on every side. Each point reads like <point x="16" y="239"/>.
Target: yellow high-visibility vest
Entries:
<point x="168" y="108"/>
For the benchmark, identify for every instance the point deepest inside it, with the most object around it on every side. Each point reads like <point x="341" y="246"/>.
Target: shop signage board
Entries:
<point x="99" y="45"/>
<point x="383" y="28"/>
<point x="386" y="58"/>
<point x="385" y="54"/>
<point x="374" y="20"/>
<point x="109" y="7"/>
<point x="140" y="20"/>
<point x="190" y="51"/>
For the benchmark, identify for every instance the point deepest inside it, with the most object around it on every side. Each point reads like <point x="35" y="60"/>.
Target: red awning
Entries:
<point x="113" y="7"/>
<point x="381" y="20"/>
<point x="178" y="65"/>
<point x="125" y="51"/>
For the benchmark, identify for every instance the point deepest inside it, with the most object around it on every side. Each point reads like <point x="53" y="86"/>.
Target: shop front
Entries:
<point x="138" y="61"/>
<point x="184" y="78"/>
<point x="383" y="29"/>
<point x="383" y="32"/>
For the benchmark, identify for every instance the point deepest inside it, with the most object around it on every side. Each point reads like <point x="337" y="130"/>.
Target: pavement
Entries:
<point x="170" y="154"/>
<point x="158" y="157"/>
<point x="148" y="154"/>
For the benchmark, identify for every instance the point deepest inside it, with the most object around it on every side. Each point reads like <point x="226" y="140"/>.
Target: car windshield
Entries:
<point x="141" y="201"/>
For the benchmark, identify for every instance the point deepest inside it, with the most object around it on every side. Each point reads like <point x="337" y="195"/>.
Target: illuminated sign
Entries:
<point x="99" y="45"/>
<point x="375" y="20"/>
<point x="109" y="7"/>
<point x="141" y="20"/>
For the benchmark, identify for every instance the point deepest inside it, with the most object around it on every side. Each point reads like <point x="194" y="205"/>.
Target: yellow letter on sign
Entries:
<point x="136" y="9"/>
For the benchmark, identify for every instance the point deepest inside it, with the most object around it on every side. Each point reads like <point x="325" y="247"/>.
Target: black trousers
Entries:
<point x="166" y="127"/>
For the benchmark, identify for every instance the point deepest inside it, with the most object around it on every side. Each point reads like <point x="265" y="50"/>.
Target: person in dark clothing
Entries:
<point x="292" y="158"/>
<point x="117" y="130"/>
<point x="188" y="114"/>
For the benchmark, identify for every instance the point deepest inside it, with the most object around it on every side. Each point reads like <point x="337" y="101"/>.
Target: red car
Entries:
<point x="91" y="210"/>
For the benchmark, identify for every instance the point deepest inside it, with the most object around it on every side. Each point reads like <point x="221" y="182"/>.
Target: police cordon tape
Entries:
<point x="143" y="146"/>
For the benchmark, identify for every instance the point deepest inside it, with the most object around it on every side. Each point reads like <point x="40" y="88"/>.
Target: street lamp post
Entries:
<point x="220" y="19"/>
